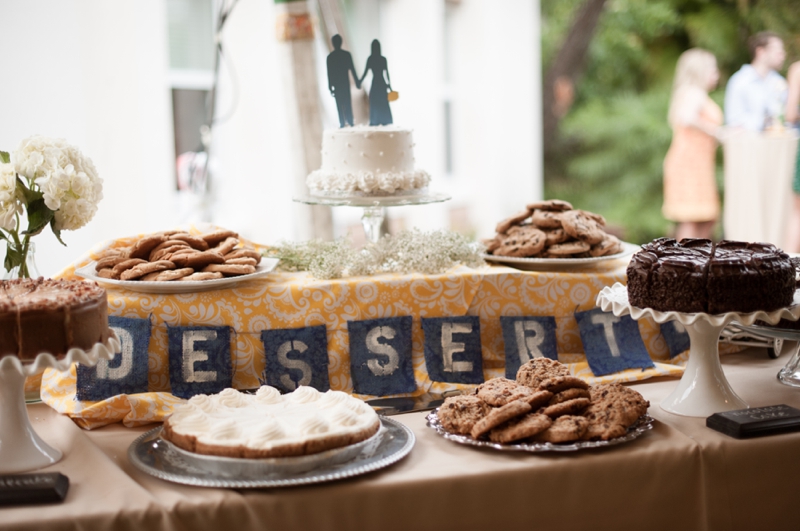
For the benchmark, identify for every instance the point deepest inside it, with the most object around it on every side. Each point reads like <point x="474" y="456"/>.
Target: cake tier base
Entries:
<point x="21" y="448"/>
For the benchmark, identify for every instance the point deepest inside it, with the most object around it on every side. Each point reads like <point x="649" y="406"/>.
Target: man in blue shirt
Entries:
<point x="756" y="94"/>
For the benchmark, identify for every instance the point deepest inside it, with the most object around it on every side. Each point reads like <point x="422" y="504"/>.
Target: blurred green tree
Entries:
<point x="609" y="143"/>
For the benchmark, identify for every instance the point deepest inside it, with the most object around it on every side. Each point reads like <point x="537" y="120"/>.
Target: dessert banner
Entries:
<point x="494" y="300"/>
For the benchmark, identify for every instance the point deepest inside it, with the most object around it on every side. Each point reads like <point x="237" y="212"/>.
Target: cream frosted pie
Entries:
<point x="268" y="424"/>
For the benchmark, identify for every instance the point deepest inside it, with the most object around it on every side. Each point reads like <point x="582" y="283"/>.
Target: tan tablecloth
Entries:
<point x="758" y="185"/>
<point x="681" y="475"/>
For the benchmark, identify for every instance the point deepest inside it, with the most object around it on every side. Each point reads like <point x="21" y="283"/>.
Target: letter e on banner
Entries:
<point x="611" y="343"/>
<point x="453" y="349"/>
<point x="126" y="373"/>
<point x="199" y="359"/>
<point x="380" y="356"/>
<point x="527" y="337"/>
<point x="295" y="357"/>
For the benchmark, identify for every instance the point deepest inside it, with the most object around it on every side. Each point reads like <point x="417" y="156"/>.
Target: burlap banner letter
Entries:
<point x="380" y="356"/>
<point x="525" y="338"/>
<point x="199" y="359"/>
<point x="611" y="343"/>
<point x="676" y="337"/>
<point x="127" y="372"/>
<point x="453" y="349"/>
<point x="295" y="357"/>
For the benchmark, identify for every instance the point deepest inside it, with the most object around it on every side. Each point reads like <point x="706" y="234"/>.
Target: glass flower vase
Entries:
<point x="30" y="266"/>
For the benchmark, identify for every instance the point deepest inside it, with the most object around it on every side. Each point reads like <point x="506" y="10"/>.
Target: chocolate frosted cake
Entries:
<point x="46" y="315"/>
<point x="700" y="276"/>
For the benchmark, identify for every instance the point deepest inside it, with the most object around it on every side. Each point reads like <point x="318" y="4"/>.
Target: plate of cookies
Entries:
<point x="544" y="410"/>
<point x="553" y="235"/>
<point x="179" y="262"/>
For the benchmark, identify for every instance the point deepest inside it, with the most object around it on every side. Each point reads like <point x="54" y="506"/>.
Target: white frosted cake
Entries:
<point x="368" y="160"/>
<point x="268" y="424"/>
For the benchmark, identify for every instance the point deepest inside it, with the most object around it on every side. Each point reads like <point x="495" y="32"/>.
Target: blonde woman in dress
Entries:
<point x="690" y="190"/>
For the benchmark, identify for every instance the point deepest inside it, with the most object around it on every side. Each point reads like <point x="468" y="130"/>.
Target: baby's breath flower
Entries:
<point x="409" y="251"/>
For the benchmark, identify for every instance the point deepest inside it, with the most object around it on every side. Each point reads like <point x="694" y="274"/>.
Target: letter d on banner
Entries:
<point x="127" y="372"/>
<point x="199" y="359"/>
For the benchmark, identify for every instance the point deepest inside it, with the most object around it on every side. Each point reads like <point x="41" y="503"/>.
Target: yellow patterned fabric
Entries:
<point x="294" y="300"/>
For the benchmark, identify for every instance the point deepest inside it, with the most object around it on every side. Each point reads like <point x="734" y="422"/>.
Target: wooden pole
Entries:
<point x="295" y="34"/>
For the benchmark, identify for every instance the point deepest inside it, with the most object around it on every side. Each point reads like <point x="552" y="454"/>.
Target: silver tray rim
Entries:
<point x="389" y="427"/>
<point x="641" y="426"/>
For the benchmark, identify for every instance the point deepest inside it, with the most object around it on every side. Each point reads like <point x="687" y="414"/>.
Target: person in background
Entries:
<point x="755" y="95"/>
<point x="690" y="190"/>
<point x="792" y="114"/>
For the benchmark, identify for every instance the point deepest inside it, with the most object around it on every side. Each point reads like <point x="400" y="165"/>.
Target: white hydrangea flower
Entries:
<point x="67" y="179"/>
<point x="9" y="205"/>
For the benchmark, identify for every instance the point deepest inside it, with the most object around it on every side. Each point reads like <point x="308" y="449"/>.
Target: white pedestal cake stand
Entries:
<point x="703" y="389"/>
<point x="21" y="448"/>
<point x="374" y="206"/>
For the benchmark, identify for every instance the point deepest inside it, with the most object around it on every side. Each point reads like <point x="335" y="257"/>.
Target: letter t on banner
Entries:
<point x="526" y="338"/>
<point x="611" y="343"/>
<point x="380" y="356"/>
<point x="199" y="359"/>
<point x="296" y="356"/>
<point x="453" y="349"/>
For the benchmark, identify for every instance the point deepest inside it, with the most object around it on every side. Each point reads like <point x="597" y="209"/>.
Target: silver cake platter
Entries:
<point x="155" y="456"/>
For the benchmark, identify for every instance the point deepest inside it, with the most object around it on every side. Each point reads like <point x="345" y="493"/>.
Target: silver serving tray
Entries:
<point x="157" y="457"/>
<point x="642" y="424"/>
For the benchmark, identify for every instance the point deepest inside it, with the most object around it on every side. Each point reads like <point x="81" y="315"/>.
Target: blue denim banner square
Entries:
<point x="296" y="356"/>
<point x="199" y="359"/>
<point x="676" y="337"/>
<point x="453" y="349"/>
<point x="380" y="356"/>
<point x="125" y="374"/>
<point x="611" y="343"/>
<point x="525" y="338"/>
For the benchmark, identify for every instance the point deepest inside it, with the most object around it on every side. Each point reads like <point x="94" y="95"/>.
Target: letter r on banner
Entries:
<point x="199" y="359"/>
<point x="453" y="349"/>
<point x="380" y="356"/>
<point x="525" y="338"/>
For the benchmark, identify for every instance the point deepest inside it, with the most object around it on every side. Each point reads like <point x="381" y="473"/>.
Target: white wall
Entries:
<point x="94" y="73"/>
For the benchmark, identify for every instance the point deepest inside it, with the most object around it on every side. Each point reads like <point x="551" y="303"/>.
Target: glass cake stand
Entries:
<point x="21" y="448"/>
<point x="374" y="206"/>
<point x="703" y="389"/>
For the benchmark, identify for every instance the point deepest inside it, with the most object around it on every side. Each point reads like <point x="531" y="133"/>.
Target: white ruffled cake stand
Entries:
<point x="374" y="206"/>
<point x="21" y="448"/>
<point x="703" y="389"/>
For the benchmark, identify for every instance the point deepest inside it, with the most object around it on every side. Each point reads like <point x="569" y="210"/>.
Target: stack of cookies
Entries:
<point x="544" y="404"/>
<point x="552" y="229"/>
<point x="179" y="256"/>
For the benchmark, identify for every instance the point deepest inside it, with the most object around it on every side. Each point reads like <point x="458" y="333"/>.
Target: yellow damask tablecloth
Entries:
<point x="294" y="300"/>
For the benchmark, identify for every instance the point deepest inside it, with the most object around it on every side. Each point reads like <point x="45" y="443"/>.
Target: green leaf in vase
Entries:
<point x="38" y="217"/>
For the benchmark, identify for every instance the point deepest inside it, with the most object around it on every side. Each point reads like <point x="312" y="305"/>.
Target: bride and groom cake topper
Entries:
<point x="340" y="65"/>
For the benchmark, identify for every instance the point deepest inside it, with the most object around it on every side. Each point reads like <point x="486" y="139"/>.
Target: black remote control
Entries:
<point x="22" y="489"/>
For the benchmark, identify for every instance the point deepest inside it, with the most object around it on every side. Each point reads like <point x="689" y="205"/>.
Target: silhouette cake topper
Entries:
<point x="340" y="64"/>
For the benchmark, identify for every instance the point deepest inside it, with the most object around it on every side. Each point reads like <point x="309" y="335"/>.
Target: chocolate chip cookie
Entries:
<point x="458" y="414"/>
<point x="520" y="428"/>
<point x="537" y="370"/>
